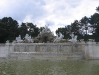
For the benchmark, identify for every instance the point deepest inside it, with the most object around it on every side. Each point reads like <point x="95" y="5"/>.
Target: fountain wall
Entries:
<point x="50" y="51"/>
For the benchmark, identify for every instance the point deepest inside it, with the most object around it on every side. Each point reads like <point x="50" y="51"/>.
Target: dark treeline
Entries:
<point x="10" y="29"/>
<point x="81" y="28"/>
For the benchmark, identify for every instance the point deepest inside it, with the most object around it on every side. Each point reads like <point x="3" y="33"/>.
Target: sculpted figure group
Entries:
<point x="45" y="36"/>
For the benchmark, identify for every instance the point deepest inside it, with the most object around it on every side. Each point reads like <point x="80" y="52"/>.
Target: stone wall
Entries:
<point x="91" y="50"/>
<point x="4" y="51"/>
<point x="50" y="51"/>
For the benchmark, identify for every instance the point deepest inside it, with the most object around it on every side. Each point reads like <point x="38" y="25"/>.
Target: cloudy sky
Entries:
<point x="55" y="13"/>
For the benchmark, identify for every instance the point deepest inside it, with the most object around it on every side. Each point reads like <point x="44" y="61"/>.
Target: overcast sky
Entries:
<point x="55" y="13"/>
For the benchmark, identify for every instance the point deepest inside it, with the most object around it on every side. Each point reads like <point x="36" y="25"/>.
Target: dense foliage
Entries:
<point x="9" y="29"/>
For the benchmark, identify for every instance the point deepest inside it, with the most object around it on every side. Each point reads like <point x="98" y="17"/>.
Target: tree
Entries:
<point x="41" y="28"/>
<point x="3" y="33"/>
<point x="10" y="28"/>
<point x="97" y="33"/>
<point x="94" y="21"/>
<point x="97" y="9"/>
<point x="65" y="32"/>
<point x="75" y="27"/>
<point x="84" y="23"/>
<point x="32" y="29"/>
<point x="23" y="30"/>
<point x="68" y="31"/>
<point x="28" y="28"/>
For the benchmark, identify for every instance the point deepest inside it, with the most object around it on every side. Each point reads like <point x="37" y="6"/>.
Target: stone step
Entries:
<point x="45" y="53"/>
<point x="46" y="56"/>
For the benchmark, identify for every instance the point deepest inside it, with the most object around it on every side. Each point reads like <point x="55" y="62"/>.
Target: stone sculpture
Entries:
<point x="18" y="39"/>
<point x="45" y="36"/>
<point x="57" y="39"/>
<point x="73" y="38"/>
<point x="7" y="42"/>
<point x="27" y="38"/>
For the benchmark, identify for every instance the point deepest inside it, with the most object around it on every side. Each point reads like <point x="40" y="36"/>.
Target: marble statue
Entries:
<point x="7" y="42"/>
<point x="57" y="39"/>
<point x="28" y="38"/>
<point x="18" y="39"/>
<point x="73" y="38"/>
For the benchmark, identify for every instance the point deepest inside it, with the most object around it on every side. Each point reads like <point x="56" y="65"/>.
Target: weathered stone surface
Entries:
<point x="48" y="51"/>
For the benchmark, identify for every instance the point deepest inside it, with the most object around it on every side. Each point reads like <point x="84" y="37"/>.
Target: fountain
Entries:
<point x="46" y="47"/>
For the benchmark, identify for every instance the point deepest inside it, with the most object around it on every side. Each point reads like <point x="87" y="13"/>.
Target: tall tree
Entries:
<point x="84" y="23"/>
<point x="3" y="32"/>
<point x="33" y="30"/>
<point x="65" y="31"/>
<point x="97" y="33"/>
<point x="97" y="9"/>
<point x="10" y="26"/>
<point x="75" y="27"/>
<point x="93" y="20"/>
<point x="28" y="28"/>
<point x="23" y="30"/>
